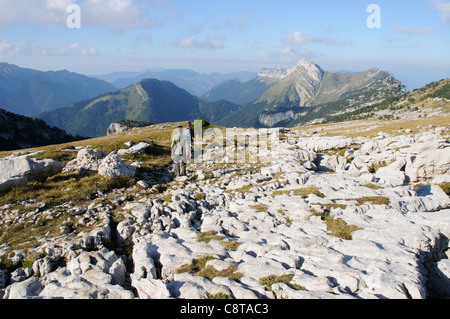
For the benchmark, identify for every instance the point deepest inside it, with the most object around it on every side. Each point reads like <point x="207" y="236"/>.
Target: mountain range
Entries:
<point x="149" y="100"/>
<point x="30" y="92"/>
<point x="277" y="96"/>
<point x="302" y="90"/>
<point x="302" y="94"/>
<point x="193" y="82"/>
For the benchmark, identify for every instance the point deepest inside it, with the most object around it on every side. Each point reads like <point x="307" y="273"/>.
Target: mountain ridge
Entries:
<point x="19" y="132"/>
<point x="149" y="100"/>
<point x="29" y="92"/>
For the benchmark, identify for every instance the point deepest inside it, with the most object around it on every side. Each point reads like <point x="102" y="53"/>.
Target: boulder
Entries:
<point x="392" y="174"/>
<point x="429" y="165"/>
<point x="113" y="166"/>
<point x="87" y="160"/>
<point x="24" y="289"/>
<point x="136" y="149"/>
<point x="144" y="266"/>
<point x="17" y="172"/>
<point x="116" y="128"/>
<point x="151" y="289"/>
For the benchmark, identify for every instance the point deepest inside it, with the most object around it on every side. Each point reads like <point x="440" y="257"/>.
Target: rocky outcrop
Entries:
<point x="108" y="165"/>
<point x="113" y="166"/>
<point x="116" y="128"/>
<point x="328" y="218"/>
<point x="17" y="172"/>
<point x="87" y="161"/>
<point x="271" y="119"/>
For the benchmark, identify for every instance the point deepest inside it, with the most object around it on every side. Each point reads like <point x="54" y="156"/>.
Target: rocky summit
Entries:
<point x="318" y="216"/>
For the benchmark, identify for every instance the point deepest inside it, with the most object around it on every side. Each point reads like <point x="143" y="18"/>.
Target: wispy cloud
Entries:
<point x="112" y="14"/>
<point x="11" y="50"/>
<point x="192" y="42"/>
<point x="300" y="38"/>
<point x="443" y="7"/>
<point x="23" y="48"/>
<point x="293" y="46"/>
<point x="413" y="31"/>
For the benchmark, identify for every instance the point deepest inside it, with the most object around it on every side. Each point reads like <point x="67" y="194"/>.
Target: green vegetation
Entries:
<point x="286" y="279"/>
<point x="337" y="227"/>
<point x="231" y="245"/>
<point x="445" y="187"/>
<point x="198" y="267"/>
<point x="17" y="131"/>
<point x="304" y="192"/>
<point x="375" y="200"/>
<point x="260" y="208"/>
<point x="372" y="186"/>
<point x="133" y="124"/>
<point x="26" y="91"/>
<point x="150" y="101"/>
<point x="62" y="156"/>
<point x="206" y="237"/>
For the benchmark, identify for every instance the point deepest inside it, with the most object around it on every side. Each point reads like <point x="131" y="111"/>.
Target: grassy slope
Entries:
<point x="157" y="157"/>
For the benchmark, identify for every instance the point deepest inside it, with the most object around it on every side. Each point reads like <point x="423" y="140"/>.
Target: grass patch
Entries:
<point x="303" y="192"/>
<point x="337" y="227"/>
<point x="243" y="190"/>
<point x="167" y="198"/>
<point x="329" y="207"/>
<point x="372" y="186"/>
<point x="25" y="234"/>
<point x="206" y="237"/>
<point x="260" y="208"/>
<point x="59" y="189"/>
<point x="110" y="183"/>
<point x="198" y="267"/>
<point x="286" y="279"/>
<point x="218" y="296"/>
<point x="199" y="196"/>
<point x="61" y="156"/>
<point x="374" y="200"/>
<point x="445" y="187"/>
<point x="231" y="245"/>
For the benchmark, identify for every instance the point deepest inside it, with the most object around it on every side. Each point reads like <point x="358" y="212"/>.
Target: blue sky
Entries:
<point x="208" y="36"/>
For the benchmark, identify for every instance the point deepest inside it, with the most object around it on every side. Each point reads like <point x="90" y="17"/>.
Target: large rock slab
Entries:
<point x="17" y="172"/>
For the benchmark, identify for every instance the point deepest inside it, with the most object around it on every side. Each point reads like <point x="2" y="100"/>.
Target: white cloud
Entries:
<point x="114" y="14"/>
<point x="41" y="12"/>
<point x="11" y="50"/>
<point x="214" y="36"/>
<point x="147" y="37"/>
<point x="287" y="51"/>
<point x="22" y="48"/>
<point x="192" y="42"/>
<point x="443" y="7"/>
<point x="294" y="53"/>
<point x="186" y="42"/>
<point x="299" y="38"/>
<point x="92" y="51"/>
